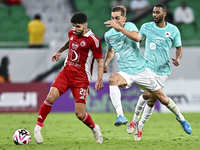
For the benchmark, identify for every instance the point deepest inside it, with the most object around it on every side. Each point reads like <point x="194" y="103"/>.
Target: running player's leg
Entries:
<point x="140" y="105"/>
<point x="43" y="112"/>
<point x="148" y="110"/>
<point x="80" y="96"/>
<point x="116" y="80"/>
<point x="58" y="87"/>
<point x="138" y="109"/>
<point x="169" y="103"/>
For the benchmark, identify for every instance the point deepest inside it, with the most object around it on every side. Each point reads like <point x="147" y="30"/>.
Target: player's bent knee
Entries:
<point x="53" y="94"/>
<point x="112" y="80"/>
<point x="51" y="98"/>
<point x="146" y="95"/>
<point x="150" y="103"/>
<point x="79" y="115"/>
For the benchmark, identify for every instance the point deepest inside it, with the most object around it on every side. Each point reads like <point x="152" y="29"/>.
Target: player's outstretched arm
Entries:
<point x="99" y="83"/>
<point x="56" y="56"/>
<point x="133" y="35"/>
<point x="108" y="57"/>
<point x="178" y="56"/>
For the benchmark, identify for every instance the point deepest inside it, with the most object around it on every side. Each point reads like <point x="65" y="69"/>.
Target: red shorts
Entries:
<point x="63" y="82"/>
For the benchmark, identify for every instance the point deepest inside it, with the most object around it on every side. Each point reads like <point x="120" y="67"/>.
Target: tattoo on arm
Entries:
<point x="100" y="66"/>
<point x="66" y="46"/>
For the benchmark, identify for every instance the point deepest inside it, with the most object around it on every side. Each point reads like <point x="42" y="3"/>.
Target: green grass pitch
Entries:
<point x="63" y="131"/>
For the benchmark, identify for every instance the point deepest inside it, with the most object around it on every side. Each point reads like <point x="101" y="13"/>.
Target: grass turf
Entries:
<point x="63" y="131"/>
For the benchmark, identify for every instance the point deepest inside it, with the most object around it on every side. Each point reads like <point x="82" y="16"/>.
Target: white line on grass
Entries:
<point x="109" y="138"/>
<point x="125" y="137"/>
<point x="184" y="137"/>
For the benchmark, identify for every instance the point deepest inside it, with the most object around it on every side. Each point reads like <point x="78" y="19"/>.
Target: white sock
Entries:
<point x="115" y="95"/>
<point x="95" y="128"/>
<point x="145" y="116"/>
<point x="173" y="108"/>
<point x="138" y="109"/>
<point x="37" y="127"/>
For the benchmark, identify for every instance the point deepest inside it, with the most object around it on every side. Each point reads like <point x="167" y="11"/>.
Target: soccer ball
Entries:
<point x="21" y="137"/>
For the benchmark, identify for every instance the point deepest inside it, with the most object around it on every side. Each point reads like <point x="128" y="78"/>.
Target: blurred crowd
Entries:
<point x="183" y="14"/>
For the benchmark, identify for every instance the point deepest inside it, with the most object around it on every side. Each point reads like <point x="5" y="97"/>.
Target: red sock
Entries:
<point x="45" y="109"/>
<point x="87" y="120"/>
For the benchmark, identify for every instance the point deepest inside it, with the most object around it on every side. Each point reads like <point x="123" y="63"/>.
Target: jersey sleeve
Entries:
<point x="70" y="33"/>
<point x="107" y="40"/>
<point x="177" y="38"/>
<point x="96" y="47"/>
<point x="134" y="28"/>
<point x="142" y="32"/>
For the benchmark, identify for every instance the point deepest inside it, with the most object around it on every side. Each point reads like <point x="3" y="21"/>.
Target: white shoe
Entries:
<point x="38" y="137"/>
<point x="97" y="134"/>
<point x="131" y="127"/>
<point x="138" y="134"/>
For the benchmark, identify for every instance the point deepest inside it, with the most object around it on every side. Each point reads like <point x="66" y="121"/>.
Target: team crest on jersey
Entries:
<point x="167" y="34"/>
<point x="74" y="45"/>
<point x="83" y="43"/>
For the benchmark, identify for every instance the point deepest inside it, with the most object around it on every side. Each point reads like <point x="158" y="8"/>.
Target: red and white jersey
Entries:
<point x="82" y="52"/>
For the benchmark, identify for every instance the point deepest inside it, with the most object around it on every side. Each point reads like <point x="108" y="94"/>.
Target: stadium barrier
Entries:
<point x="185" y="94"/>
<point x="182" y="85"/>
<point x="22" y="97"/>
<point x="28" y="97"/>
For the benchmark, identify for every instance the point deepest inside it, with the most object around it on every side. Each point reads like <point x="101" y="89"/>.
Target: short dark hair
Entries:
<point x="119" y="8"/>
<point x="37" y="16"/>
<point x="161" y="5"/>
<point x="79" y="17"/>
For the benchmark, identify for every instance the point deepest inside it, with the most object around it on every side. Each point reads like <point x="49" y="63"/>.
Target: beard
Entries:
<point x="159" y="20"/>
<point x="79" y="33"/>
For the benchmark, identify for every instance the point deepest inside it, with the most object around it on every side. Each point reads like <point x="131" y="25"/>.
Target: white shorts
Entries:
<point x="145" y="80"/>
<point x="161" y="79"/>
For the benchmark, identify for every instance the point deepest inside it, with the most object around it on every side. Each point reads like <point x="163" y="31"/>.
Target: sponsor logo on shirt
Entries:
<point x="111" y="40"/>
<point x="74" y="45"/>
<point x="152" y="46"/>
<point x="151" y="31"/>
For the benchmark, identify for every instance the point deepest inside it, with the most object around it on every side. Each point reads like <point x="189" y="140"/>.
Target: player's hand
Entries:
<point x="98" y="85"/>
<point x="55" y="57"/>
<point x="175" y="62"/>
<point x="105" y="68"/>
<point x="111" y="23"/>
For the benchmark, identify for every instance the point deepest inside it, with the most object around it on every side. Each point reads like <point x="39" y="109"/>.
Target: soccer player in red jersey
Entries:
<point x="76" y="74"/>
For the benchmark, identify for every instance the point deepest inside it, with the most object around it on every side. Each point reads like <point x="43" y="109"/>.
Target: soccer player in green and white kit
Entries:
<point x="160" y="36"/>
<point x="123" y="41"/>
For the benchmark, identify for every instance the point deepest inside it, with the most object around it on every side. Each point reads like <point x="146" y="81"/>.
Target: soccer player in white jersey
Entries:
<point x="160" y="36"/>
<point x="123" y="41"/>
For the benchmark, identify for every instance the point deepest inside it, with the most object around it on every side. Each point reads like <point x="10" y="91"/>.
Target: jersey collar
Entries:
<point x="88" y="33"/>
<point x="160" y="28"/>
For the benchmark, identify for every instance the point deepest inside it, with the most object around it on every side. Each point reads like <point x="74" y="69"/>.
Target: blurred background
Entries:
<point x="31" y="68"/>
